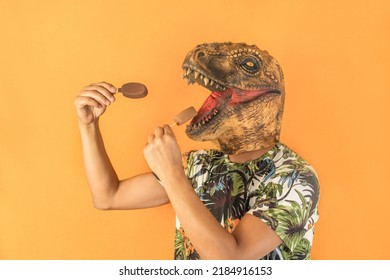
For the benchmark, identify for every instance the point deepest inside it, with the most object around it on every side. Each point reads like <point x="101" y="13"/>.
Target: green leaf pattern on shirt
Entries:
<point x="280" y="188"/>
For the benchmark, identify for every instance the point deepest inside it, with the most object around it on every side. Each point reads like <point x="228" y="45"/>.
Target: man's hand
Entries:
<point x="93" y="101"/>
<point x="162" y="153"/>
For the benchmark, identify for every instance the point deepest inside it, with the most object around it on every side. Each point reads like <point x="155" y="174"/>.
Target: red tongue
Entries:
<point x="231" y="95"/>
<point x="213" y="101"/>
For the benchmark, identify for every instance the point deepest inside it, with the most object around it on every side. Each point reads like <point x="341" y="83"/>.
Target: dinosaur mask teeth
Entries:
<point x="193" y="76"/>
<point x="205" y="120"/>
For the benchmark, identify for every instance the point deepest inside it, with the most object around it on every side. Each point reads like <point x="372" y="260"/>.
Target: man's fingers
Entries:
<point x="151" y="139"/>
<point x="101" y="90"/>
<point x="168" y="130"/>
<point x="108" y="86"/>
<point x="83" y="101"/>
<point x="96" y="95"/>
<point x="159" y="131"/>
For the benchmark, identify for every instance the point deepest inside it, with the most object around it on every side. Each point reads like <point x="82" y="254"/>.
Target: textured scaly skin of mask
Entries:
<point x="245" y="108"/>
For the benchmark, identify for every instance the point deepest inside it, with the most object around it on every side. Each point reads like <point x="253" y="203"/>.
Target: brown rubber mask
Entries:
<point x="245" y="107"/>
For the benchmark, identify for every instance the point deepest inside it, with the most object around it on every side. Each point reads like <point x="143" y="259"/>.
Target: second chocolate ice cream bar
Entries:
<point x="184" y="116"/>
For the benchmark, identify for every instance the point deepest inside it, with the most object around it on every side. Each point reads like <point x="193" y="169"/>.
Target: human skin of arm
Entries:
<point x="108" y="192"/>
<point x="251" y="239"/>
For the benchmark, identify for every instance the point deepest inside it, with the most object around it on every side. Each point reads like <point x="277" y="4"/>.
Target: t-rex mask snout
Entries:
<point x="245" y="107"/>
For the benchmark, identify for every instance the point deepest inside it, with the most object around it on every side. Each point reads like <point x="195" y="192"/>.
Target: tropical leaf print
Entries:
<point x="280" y="188"/>
<point x="291" y="221"/>
<point x="184" y="250"/>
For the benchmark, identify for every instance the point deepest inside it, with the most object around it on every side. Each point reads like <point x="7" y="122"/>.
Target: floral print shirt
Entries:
<point x="280" y="188"/>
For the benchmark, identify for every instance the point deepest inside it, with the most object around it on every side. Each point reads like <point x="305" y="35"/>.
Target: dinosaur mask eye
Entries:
<point x="250" y="64"/>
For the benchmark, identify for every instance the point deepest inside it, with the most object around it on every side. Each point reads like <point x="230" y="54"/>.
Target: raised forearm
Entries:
<point x="101" y="176"/>
<point x="210" y="239"/>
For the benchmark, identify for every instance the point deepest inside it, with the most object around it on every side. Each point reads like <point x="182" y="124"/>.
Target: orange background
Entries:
<point x="335" y="56"/>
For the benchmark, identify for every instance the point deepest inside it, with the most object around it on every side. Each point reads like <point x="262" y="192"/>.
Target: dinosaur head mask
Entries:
<point x="245" y="107"/>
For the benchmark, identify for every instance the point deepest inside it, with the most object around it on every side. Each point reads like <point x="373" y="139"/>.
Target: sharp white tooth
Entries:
<point x="217" y="86"/>
<point x="211" y="82"/>
<point x="206" y="81"/>
<point x="188" y="71"/>
<point x="196" y="74"/>
<point x="201" y="76"/>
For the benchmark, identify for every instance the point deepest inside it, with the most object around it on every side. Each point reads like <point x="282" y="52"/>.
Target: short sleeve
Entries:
<point x="288" y="204"/>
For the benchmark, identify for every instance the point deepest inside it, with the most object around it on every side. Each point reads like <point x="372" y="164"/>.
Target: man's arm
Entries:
<point x="251" y="239"/>
<point x="108" y="192"/>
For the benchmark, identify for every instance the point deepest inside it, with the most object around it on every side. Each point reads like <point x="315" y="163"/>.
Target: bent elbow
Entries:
<point x="104" y="206"/>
